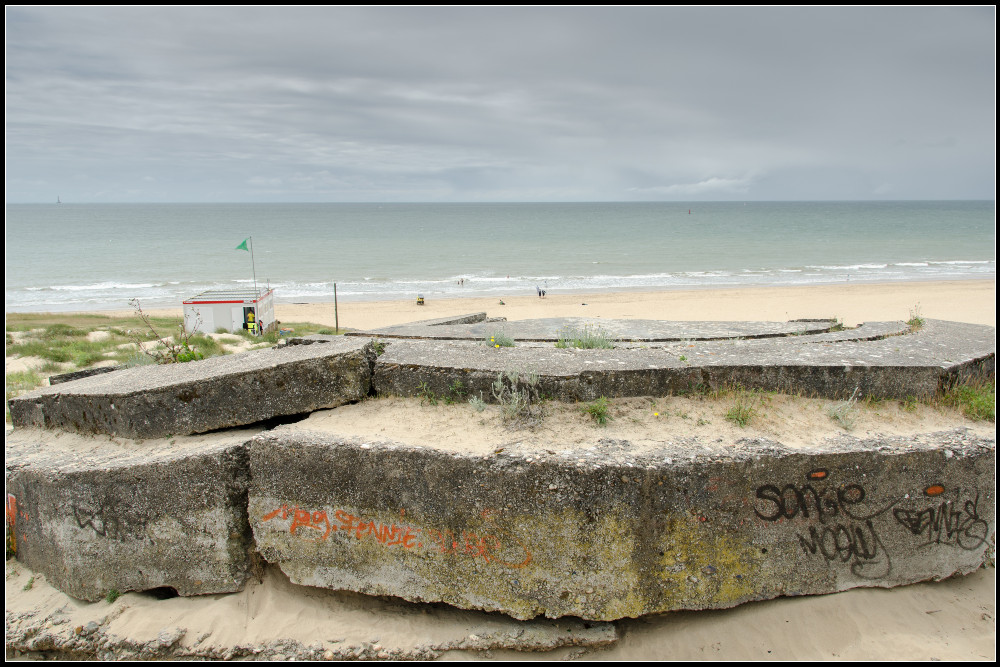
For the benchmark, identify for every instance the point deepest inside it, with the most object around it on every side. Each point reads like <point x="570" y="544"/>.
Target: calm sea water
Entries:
<point x="98" y="256"/>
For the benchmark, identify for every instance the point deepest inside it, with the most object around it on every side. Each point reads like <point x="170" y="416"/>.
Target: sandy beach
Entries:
<point x="972" y="301"/>
<point x="950" y="620"/>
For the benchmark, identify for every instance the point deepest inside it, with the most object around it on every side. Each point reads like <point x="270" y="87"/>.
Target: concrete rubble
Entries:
<point x="111" y="489"/>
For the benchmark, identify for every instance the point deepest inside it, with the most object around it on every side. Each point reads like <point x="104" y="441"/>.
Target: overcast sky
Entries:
<point x="371" y="104"/>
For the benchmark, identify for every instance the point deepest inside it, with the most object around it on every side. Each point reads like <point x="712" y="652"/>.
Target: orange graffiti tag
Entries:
<point x="488" y="547"/>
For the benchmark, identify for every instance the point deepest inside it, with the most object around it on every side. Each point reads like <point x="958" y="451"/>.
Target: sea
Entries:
<point x="69" y="257"/>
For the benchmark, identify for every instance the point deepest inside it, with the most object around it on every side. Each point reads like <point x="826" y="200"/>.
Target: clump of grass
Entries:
<point x="28" y="586"/>
<point x="499" y="339"/>
<point x="519" y="398"/>
<point x="845" y="413"/>
<point x="588" y="338"/>
<point x="916" y="319"/>
<point x="746" y="406"/>
<point x="598" y="410"/>
<point x="112" y="595"/>
<point x="22" y="381"/>
<point x="976" y="400"/>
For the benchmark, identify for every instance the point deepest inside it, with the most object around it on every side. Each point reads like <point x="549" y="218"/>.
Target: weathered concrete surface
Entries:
<point x="95" y="515"/>
<point x="477" y="326"/>
<point x="874" y="360"/>
<point x="200" y="396"/>
<point x="600" y="533"/>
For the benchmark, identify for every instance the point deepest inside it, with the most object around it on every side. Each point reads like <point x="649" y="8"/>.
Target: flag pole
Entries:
<point x="253" y="265"/>
<point x="256" y="304"/>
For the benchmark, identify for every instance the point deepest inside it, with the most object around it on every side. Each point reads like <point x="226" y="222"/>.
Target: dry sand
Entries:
<point x="971" y="301"/>
<point x="950" y="620"/>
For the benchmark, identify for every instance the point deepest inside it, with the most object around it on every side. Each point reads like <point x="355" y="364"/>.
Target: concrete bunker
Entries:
<point x="612" y="532"/>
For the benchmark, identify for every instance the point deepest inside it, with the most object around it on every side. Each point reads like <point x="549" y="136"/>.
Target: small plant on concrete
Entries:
<point x="916" y="319"/>
<point x="519" y="399"/>
<point x="455" y="392"/>
<point x="588" y="338"/>
<point x="499" y="339"/>
<point x="425" y="394"/>
<point x="745" y="409"/>
<point x="598" y="410"/>
<point x="112" y="595"/>
<point x="379" y="346"/>
<point x="845" y="413"/>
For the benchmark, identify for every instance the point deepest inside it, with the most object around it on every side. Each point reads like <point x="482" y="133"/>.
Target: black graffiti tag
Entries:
<point x="806" y="501"/>
<point x="845" y="532"/>
<point x="88" y="518"/>
<point x="858" y="545"/>
<point x="947" y="524"/>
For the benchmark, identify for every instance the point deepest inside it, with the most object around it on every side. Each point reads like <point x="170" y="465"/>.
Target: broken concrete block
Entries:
<point x="200" y="396"/>
<point x="611" y="530"/>
<point x="95" y="515"/>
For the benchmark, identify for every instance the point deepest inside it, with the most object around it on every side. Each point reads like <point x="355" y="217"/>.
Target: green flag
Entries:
<point x="243" y="246"/>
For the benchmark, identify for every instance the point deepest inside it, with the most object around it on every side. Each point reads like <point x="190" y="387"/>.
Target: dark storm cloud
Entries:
<point x="381" y="104"/>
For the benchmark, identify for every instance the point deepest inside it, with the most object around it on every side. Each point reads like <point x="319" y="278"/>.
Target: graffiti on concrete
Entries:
<point x="953" y="521"/>
<point x="90" y="518"/>
<point x="11" y="512"/>
<point x="842" y="528"/>
<point x="318" y="525"/>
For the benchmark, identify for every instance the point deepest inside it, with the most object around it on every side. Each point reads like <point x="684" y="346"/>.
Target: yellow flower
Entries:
<point x="497" y="345"/>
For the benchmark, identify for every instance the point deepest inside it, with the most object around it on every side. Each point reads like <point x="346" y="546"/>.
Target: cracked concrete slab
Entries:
<point x="201" y="396"/>
<point x="882" y="360"/>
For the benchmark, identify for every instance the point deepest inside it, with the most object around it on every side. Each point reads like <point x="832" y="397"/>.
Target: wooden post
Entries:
<point x="336" y="319"/>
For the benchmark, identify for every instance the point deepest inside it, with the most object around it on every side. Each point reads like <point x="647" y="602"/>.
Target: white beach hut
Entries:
<point x="232" y="310"/>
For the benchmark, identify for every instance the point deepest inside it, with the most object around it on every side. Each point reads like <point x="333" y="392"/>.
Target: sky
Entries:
<point x="499" y="104"/>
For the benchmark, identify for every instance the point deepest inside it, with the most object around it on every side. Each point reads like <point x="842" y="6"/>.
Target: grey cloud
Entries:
<point x="383" y="103"/>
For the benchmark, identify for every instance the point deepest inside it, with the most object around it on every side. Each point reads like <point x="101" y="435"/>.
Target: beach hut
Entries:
<point x="232" y="310"/>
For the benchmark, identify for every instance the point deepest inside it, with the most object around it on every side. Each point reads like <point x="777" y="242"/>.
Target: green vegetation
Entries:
<point x="746" y="407"/>
<point x="425" y="394"/>
<point x="499" y="339"/>
<point x="519" y="399"/>
<point x="598" y="410"/>
<point x="977" y="400"/>
<point x="588" y="338"/>
<point x="112" y="595"/>
<point x="456" y="392"/>
<point x="28" y="586"/>
<point x="22" y="381"/>
<point x="72" y="342"/>
<point x="916" y="319"/>
<point x="845" y="413"/>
